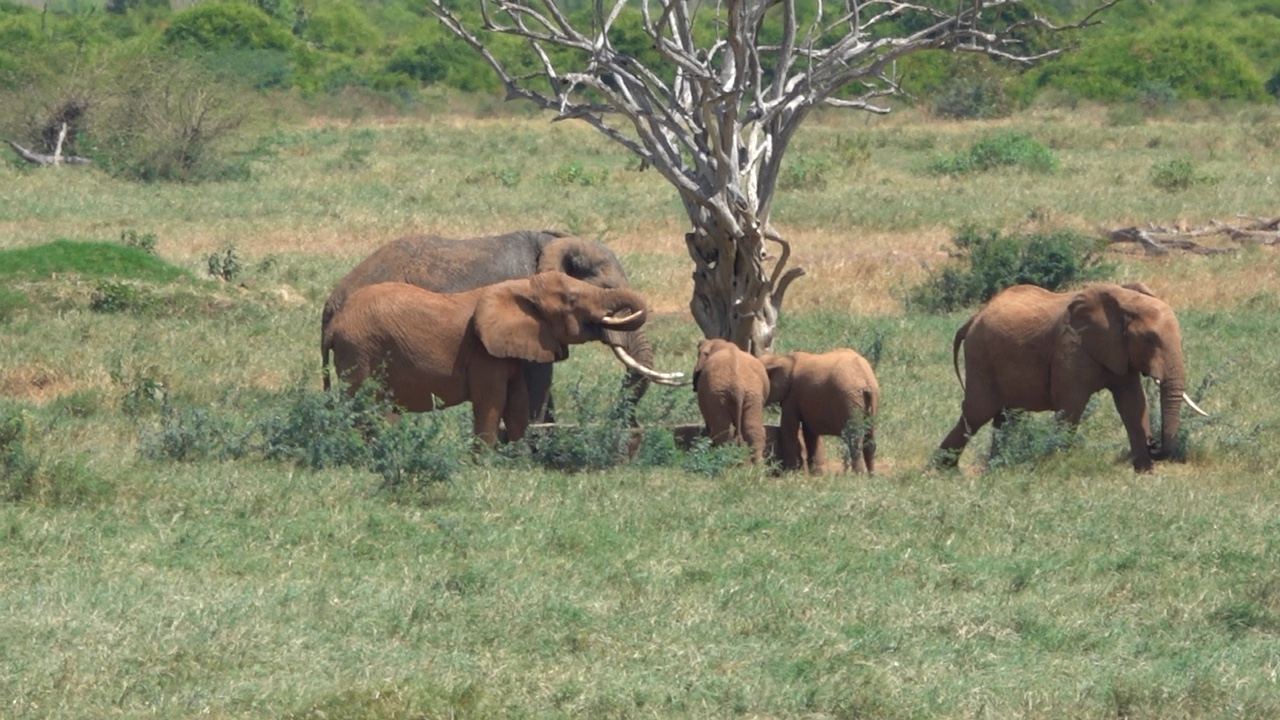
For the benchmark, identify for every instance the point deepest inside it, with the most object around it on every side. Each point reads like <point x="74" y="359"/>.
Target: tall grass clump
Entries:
<point x="1005" y="149"/>
<point x="984" y="262"/>
<point x="28" y="476"/>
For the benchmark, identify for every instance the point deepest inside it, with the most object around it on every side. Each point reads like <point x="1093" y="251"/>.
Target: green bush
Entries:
<point x="342" y="28"/>
<point x="1026" y="439"/>
<point x="226" y="25"/>
<point x="985" y="262"/>
<point x="802" y="171"/>
<point x="1193" y="61"/>
<point x="193" y="434"/>
<point x="1178" y="174"/>
<point x="1008" y="148"/>
<point x="114" y="296"/>
<point x="324" y="429"/>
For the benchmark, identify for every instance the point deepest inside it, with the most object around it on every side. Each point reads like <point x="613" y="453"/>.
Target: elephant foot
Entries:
<point x="945" y="459"/>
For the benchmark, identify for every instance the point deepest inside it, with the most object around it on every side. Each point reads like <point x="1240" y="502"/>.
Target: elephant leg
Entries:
<point x="488" y="400"/>
<point x="516" y="413"/>
<point x="997" y="431"/>
<point x="537" y="379"/>
<point x="972" y="418"/>
<point x="789" y="441"/>
<point x="869" y="449"/>
<point x="812" y="448"/>
<point x="752" y="428"/>
<point x="1131" y="403"/>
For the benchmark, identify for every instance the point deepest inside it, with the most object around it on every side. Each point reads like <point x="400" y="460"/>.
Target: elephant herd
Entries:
<point x="441" y="321"/>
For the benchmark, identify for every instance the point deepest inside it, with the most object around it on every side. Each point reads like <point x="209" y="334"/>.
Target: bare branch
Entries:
<point x="42" y="159"/>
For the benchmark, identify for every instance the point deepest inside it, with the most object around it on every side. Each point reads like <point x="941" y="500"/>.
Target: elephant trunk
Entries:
<point x="1172" y="388"/>
<point x="636" y="344"/>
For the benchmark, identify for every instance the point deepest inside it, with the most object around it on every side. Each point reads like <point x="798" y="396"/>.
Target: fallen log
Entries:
<point x="42" y="159"/>
<point x="1157" y="240"/>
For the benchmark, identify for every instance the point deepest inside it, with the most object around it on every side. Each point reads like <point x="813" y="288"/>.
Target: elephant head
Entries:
<point x="781" y="369"/>
<point x="596" y="264"/>
<point x="538" y="319"/>
<point x="1127" y="329"/>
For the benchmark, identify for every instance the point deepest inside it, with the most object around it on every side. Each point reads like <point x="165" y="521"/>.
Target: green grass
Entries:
<point x="144" y="583"/>
<point x="89" y="260"/>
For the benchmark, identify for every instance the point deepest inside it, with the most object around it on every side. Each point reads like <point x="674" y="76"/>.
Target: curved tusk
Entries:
<point x="621" y="320"/>
<point x="1186" y="399"/>
<point x="1191" y="404"/>
<point x="658" y="377"/>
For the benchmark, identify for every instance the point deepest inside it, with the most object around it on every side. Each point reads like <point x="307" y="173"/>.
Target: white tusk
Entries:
<point x="658" y="377"/>
<point x="621" y="320"/>
<point x="1192" y="405"/>
<point x="1186" y="399"/>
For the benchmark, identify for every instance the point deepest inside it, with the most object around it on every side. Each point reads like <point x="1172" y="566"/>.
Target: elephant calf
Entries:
<point x="732" y="387"/>
<point x="436" y="350"/>
<point x="1032" y="349"/>
<point x="832" y="393"/>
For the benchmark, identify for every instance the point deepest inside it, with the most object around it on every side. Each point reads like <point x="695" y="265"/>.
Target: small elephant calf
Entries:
<point x="832" y="393"/>
<point x="732" y="386"/>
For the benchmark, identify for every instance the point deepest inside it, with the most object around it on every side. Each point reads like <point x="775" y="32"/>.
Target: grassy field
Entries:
<point x="155" y="562"/>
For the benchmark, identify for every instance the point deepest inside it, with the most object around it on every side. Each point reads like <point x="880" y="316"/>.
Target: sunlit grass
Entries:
<point x="1060" y="586"/>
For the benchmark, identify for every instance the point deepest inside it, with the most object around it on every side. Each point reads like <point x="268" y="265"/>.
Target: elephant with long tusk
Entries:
<point x="449" y="265"/>
<point x="435" y="350"/>
<point x="1032" y="349"/>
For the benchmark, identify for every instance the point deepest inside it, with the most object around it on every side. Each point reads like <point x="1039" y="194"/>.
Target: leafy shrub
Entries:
<point x="192" y="434"/>
<point x="146" y="242"/>
<point x="1026" y="439"/>
<point x="224" y="264"/>
<point x="159" y="117"/>
<point x="341" y="27"/>
<point x="986" y="262"/>
<point x="226" y="25"/>
<point x="113" y="296"/>
<point x="324" y="429"/>
<point x="574" y="173"/>
<point x="703" y="458"/>
<point x="417" y="451"/>
<point x="1194" y="62"/>
<point x="1177" y="175"/>
<point x="1009" y="148"/>
<point x="599" y="441"/>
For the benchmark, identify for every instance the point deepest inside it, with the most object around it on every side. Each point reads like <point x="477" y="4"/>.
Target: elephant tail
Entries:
<point x="961" y="334"/>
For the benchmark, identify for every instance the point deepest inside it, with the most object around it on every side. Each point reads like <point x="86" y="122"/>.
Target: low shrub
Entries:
<point x="114" y="296"/>
<point x="192" y="434"/>
<point x="1010" y="148"/>
<point x="985" y="262"/>
<point x="1177" y="175"/>
<point x="1026" y="439"/>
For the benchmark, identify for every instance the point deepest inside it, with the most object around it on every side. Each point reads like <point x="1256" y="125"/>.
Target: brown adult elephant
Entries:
<point x="448" y="265"/>
<point x="434" y="350"/>
<point x="732" y="387"/>
<point x="1033" y="349"/>
<point x="830" y="393"/>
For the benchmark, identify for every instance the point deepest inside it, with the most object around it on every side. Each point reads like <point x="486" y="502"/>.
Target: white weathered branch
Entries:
<point x="42" y="159"/>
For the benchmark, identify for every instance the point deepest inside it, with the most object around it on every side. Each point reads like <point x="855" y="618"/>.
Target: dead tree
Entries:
<point x="715" y="114"/>
<point x="57" y="158"/>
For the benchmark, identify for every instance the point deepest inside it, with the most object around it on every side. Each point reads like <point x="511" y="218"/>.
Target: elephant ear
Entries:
<point x="510" y="325"/>
<point x="1097" y="318"/>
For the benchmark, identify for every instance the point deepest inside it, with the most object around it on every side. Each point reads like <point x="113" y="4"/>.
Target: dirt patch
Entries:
<point x="34" y="382"/>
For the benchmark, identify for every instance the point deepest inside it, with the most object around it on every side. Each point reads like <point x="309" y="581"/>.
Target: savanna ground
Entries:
<point x="1057" y="585"/>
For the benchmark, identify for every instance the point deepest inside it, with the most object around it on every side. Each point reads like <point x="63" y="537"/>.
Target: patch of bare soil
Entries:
<point x="36" y="383"/>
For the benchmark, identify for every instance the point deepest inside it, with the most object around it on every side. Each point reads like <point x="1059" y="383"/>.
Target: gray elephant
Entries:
<point x="1032" y="349"/>
<point x="448" y="265"/>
